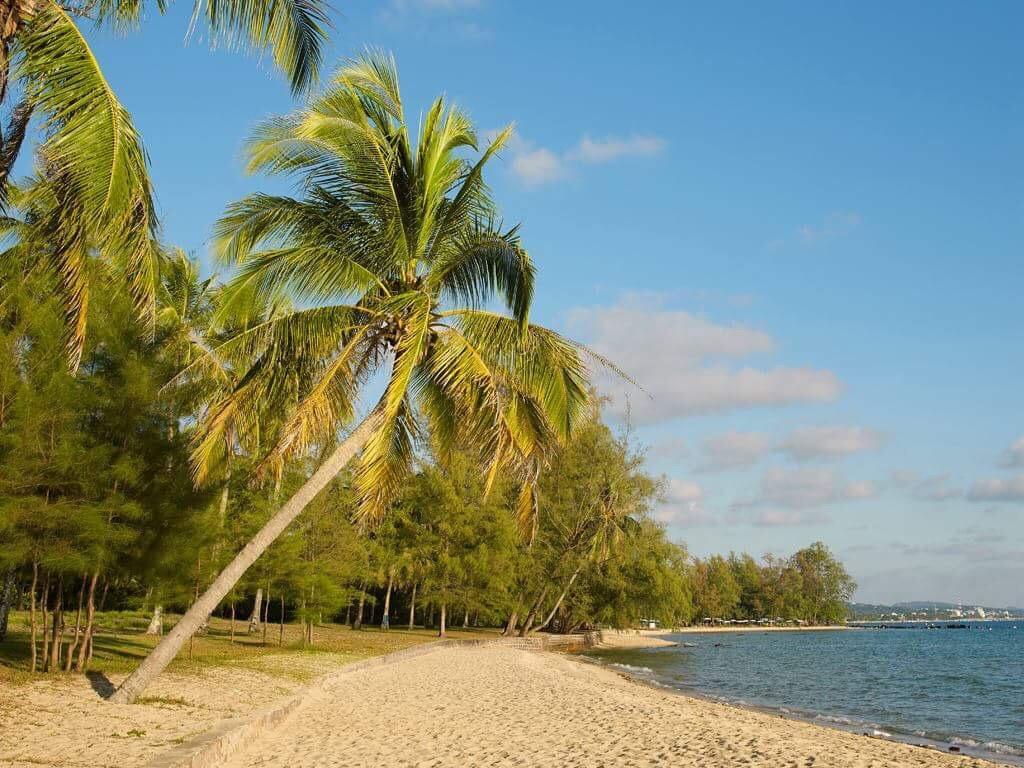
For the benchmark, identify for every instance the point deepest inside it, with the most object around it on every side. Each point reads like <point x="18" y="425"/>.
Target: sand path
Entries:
<point x="495" y="706"/>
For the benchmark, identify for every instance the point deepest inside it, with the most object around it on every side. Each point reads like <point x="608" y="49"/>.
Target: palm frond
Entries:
<point x="92" y="154"/>
<point x="294" y="31"/>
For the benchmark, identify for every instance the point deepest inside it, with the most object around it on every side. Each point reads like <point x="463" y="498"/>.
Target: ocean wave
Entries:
<point x="631" y="668"/>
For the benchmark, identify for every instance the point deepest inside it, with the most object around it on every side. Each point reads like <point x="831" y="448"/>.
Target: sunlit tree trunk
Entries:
<point x="168" y="648"/>
<point x="441" y="627"/>
<point x="32" y="612"/>
<point x="254" y="619"/>
<point x="6" y="598"/>
<point x="357" y="622"/>
<point x="384" y="617"/>
<point x="412" y="607"/>
<point x="510" y="625"/>
<point x="156" y="624"/>
<point x="561" y="597"/>
<point x="533" y="612"/>
<point x="85" y="649"/>
<point x="69" y="659"/>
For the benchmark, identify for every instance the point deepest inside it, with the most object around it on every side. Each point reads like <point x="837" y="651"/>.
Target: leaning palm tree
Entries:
<point x="396" y="270"/>
<point x="90" y="153"/>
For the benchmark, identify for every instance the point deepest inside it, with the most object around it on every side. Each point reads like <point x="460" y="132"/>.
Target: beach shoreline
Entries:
<point x="817" y="720"/>
<point x="495" y="704"/>
<point x="697" y="630"/>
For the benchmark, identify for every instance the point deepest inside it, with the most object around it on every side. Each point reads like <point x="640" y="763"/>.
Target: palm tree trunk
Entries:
<point x="412" y="607"/>
<point x="561" y="597"/>
<point x="168" y="648"/>
<point x="444" y="614"/>
<point x="280" y="636"/>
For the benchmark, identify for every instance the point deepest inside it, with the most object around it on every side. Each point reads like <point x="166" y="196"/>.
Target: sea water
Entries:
<point x="949" y="687"/>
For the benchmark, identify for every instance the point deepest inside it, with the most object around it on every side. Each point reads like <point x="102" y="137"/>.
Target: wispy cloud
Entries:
<point x="733" y="450"/>
<point x="611" y="148"/>
<point x="686" y="363"/>
<point x="835" y="224"/>
<point x="1014" y="455"/>
<point x="812" y="443"/>
<point x="805" y="488"/>
<point x="684" y="505"/>
<point x="536" y="165"/>
<point x="998" y="489"/>
<point x="936" y="488"/>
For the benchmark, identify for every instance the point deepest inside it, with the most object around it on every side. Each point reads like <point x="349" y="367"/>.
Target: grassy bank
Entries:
<point x="120" y="643"/>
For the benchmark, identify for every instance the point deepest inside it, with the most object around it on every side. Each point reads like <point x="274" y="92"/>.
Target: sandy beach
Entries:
<point x="488" y="705"/>
<point x="498" y="706"/>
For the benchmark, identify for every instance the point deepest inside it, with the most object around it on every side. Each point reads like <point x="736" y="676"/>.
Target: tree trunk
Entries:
<point x="254" y="620"/>
<point x="441" y="629"/>
<point x="533" y="612"/>
<point x="465" y="619"/>
<point x="385" y="618"/>
<point x="280" y="637"/>
<point x="156" y="624"/>
<point x="58" y="627"/>
<point x="266" y="615"/>
<point x="561" y="597"/>
<point x="168" y="648"/>
<point x="78" y="625"/>
<point x="85" y="649"/>
<point x="6" y="598"/>
<point x="357" y="622"/>
<point x="232" y="622"/>
<point x="510" y="625"/>
<point x="412" y="607"/>
<point x="45" y="603"/>
<point x="32" y="612"/>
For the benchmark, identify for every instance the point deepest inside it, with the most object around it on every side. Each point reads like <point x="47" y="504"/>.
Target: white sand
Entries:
<point x="62" y="721"/>
<point x="496" y="706"/>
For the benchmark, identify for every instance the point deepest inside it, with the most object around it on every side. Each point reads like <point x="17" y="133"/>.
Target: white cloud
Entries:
<point x="684" y="491"/>
<point x="998" y="489"/>
<point x="536" y="165"/>
<point x="684" y="505"/>
<point x="605" y="150"/>
<point x="836" y="224"/>
<point x="1014" y="455"/>
<point x="782" y="518"/>
<point x="669" y="449"/>
<point x="806" y="488"/>
<point x="733" y="450"/>
<point x="936" y="488"/>
<point x="813" y="443"/>
<point x="682" y="362"/>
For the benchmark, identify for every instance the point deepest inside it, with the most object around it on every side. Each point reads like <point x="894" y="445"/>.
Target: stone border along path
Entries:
<point x="227" y="738"/>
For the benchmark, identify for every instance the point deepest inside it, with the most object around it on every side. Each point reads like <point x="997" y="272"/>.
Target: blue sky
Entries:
<point x="798" y="227"/>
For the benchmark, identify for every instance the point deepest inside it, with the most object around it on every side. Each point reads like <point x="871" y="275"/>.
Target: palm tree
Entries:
<point x="91" y="155"/>
<point x="394" y="263"/>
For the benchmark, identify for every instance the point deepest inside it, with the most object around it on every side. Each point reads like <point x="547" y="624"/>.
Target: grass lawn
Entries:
<point x="120" y="643"/>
